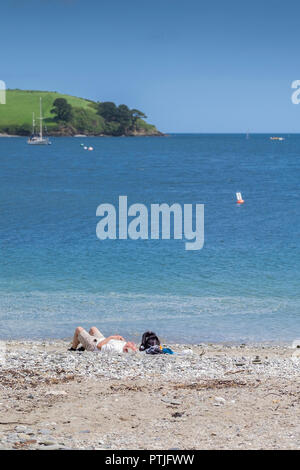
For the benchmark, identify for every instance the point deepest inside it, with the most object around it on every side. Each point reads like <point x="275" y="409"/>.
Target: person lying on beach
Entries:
<point x="94" y="340"/>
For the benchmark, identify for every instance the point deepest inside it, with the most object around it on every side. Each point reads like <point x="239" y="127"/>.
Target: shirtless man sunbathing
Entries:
<point x="95" y="341"/>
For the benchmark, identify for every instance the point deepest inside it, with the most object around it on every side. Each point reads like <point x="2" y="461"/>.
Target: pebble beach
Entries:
<point x="205" y="396"/>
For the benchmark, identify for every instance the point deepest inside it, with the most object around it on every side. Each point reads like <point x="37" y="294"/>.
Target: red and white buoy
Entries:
<point x="239" y="198"/>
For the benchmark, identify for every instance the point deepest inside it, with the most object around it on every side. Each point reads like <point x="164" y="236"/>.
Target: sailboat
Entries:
<point x="35" y="139"/>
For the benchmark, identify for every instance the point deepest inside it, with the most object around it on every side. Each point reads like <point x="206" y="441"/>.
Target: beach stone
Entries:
<point x="30" y="432"/>
<point x="220" y="400"/>
<point x="12" y="437"/>
<point x="21" y="429"/>
<point x="56" y="393"/>
<point x="47" y="442"/>
<point x="28" y="441"/>
<point x="170" y="401"/>
<point x="44" y="431"/>
<point x="188" y="352"/>
<point x="23" y="437"/>
<point x="52" y="447"/>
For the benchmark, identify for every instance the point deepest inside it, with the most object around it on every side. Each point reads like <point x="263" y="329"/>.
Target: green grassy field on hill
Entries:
<point x="16" y="115"/>
<point x="21" y="104"/>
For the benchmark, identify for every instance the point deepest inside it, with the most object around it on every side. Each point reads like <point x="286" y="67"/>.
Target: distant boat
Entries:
<point x="38" y="139"/>
<point x="276" y="138"/>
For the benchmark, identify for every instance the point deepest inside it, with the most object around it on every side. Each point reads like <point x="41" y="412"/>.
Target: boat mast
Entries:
<point x="33" y="124"/>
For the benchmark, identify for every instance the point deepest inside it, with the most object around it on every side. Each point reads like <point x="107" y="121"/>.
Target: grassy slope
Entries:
<point x="21" y="104"/>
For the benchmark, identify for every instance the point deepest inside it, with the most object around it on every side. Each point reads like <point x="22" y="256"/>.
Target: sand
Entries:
<point x="210" y="397"/>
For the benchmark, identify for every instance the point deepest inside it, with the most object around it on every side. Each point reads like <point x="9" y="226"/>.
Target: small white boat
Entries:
<point x="38" y="139"/>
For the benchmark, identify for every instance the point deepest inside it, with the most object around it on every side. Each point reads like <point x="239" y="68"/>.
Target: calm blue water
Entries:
<point x="55" y="274"/>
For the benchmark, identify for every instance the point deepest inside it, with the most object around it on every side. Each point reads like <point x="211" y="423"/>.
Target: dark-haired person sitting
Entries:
<point x="94" y="340"/>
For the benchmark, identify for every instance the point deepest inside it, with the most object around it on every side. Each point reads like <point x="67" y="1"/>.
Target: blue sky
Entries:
<point x="193" y="66"/>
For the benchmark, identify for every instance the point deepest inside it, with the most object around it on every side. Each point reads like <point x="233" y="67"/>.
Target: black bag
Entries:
<point x="149" y="339"/>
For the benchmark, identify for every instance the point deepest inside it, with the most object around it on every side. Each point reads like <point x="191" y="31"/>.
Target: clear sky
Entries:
<point x="191" y="66"/>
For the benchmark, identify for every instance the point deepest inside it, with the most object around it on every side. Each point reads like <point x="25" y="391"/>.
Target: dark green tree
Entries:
<point x="108" y="110"/>
<point x="135" y="116"/>
<point x="120" y="120"/>
<point x="124" y="118"/>
<point x="62" y="109"/>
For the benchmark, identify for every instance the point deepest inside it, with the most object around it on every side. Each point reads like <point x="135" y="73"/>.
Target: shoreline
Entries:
<point x="10" y="135"/>
<point x="211" y="397"/>
<point x="89" y="136"/>
<point x="239" y="343"/>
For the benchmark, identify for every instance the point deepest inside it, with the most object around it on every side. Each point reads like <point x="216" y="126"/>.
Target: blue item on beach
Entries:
<point x="167" y="351"/>
<point x="157" y="350"/>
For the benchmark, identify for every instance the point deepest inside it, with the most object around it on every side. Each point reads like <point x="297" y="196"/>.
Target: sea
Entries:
<point x="242" y="286"/>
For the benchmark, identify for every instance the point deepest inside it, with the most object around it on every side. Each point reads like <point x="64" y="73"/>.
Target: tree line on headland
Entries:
<point x="109" y="118"/>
